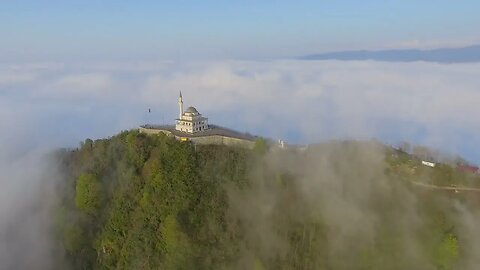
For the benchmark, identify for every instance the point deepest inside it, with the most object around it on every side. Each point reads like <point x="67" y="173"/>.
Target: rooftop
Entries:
<point x="211" y="131"/>
<point x="191" y="110"/>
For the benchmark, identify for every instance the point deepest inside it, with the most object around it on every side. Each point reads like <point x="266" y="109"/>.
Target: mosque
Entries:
<point x="190" y="120"/>
<point x="193" y="126"/>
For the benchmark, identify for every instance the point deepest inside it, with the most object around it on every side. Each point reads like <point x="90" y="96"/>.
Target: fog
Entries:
<point x="27" y="197"/>
<point x="44" y="106"/>
<point x="344" y="206"/>
<point x="300" y="102"/>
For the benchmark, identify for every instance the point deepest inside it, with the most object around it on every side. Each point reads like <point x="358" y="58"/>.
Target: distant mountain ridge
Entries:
<point x="468" y="54"/>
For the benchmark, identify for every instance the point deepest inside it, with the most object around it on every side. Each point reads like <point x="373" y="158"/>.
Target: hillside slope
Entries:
<point x="149" y="202"/>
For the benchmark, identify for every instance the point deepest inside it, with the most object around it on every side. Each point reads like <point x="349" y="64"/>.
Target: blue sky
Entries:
<point x="171" y="30"/>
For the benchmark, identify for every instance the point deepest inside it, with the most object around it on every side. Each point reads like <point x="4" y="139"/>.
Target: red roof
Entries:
<point x="467" y="168"/>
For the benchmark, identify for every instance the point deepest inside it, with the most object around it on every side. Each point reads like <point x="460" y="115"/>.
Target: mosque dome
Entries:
<point x="191" y="110"/>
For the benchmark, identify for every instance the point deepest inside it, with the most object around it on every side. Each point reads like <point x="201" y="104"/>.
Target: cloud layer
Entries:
<point x="299" y="101"/>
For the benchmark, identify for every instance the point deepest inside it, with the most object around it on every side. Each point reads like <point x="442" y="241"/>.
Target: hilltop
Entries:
<point x="138" y="201"/>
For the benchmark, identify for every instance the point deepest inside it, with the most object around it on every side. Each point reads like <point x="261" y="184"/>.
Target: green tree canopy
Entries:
<point x="151" y="202"/>
<point x="88" y="193"/>
<point x="261" y="146"/>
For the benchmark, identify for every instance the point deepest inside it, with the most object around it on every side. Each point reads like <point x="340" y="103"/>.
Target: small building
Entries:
<point x="428" y="163"/>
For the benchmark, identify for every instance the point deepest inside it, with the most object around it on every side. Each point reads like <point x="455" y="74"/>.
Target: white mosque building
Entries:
<point x="193" y="127"/>
<point x="190" y="120"/>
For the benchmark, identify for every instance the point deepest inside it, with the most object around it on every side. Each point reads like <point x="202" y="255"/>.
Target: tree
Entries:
<point x="73" y="238"/>
<point x="447" y="252"/>
<point x="260" y="146"/>
<point x="88" y="193"/>
<point x="177" y="246"/>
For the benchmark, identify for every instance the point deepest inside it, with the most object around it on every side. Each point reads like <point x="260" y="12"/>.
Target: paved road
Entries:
<point x="456" y="189"/>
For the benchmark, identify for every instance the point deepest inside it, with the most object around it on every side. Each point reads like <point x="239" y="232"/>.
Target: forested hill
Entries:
<point x="150" y="202"/>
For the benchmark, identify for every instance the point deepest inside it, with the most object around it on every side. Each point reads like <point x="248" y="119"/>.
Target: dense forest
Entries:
<point x="134" y="201"/>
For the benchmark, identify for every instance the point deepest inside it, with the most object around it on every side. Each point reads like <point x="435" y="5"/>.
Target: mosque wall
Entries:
<point x="212" y="139"/>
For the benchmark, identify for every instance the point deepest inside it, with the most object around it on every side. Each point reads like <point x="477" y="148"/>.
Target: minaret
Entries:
<point x="180" y="105"/>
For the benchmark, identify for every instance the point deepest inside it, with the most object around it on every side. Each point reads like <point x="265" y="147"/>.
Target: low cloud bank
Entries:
<point x="302" y="102"/>
<point x="27" y="197"/>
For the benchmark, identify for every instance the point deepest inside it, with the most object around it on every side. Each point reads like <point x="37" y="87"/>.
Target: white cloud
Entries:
<point x="13" y="78"/>
<point x="301" y="100"/>
<point x="329" y="97"/>
<point x="92" y="85"/>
